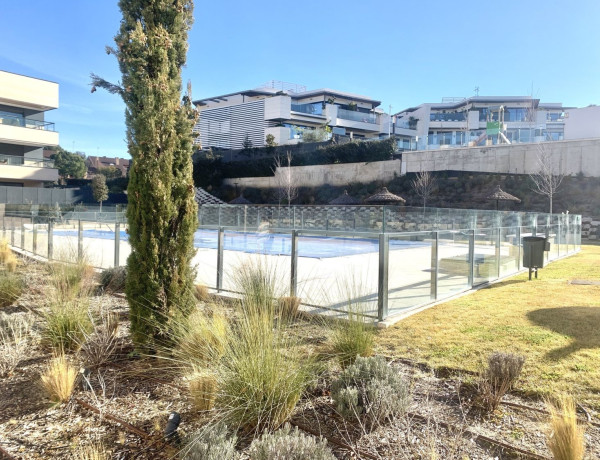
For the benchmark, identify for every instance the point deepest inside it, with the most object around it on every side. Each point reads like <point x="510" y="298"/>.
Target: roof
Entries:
<point x="384" y="196"/>
<point x="332" y="92"/>
<point x="240" y="200"/>
<point x="501" y="195"/>
<point x="344" y="199"/>
<point x="203" y="197"/>
<point x="479" y="99"/>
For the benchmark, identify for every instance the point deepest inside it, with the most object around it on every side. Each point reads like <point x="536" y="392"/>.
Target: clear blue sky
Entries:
<point x="400" y="52"/>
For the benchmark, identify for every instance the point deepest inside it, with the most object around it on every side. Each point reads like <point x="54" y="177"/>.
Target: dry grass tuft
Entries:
<point x="565" y="437"/>
<point x="200" y="339"/>
<point x="203" y="389"/>
<point x="11" y="288"/>
<point x="15" y="342"/>
<point x="94" y="451"/>
<point x="288" y="307"/>
<point x="67" y="325"/>
<point x="100" y="346"/>
<point x="352" y="337"/>
<point x="201" y="293"/>
<point x="11" y="263"/>
<point x="58" y="379"/>
<point x="503" y="370"/>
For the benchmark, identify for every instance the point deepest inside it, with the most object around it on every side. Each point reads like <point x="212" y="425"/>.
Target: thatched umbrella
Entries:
<point x="240" y="200"/>
<point x="344" y="199"/>
<point x="383" y="196"/>
<point x="500" y="195"/>
<point x="203" y="197"/>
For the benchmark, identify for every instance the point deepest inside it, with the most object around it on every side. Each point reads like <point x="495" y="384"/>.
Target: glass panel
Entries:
<point x="553" y="239"/>
<point x="337" y="271"/>
<point x="205" y="260"/>
<point x="509" y="251"/>
<point x="409" y="278"/>
<point x="453" y="263"/>
<point x="124" y="247"/>
<point x="485" y="256"/>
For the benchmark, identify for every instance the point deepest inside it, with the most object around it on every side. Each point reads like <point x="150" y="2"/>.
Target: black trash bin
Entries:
<point x="533" y="253"/>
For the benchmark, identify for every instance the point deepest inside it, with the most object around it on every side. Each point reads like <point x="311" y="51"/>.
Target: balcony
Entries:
<point x="28" y="170"/>
<point x="15" y="129"/>
<point x="309" y="109"/>
<point x="362" y="117"/>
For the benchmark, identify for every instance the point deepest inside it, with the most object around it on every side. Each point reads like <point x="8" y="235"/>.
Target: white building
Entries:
<point x="478" y="121"/>
<point x="286" y="111"/>
<point x="24" y="132"/>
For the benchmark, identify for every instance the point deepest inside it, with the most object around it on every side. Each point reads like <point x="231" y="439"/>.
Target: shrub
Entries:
<point x="288" y="444"/>
<point x="100" y="345"/>
<point x="67" y="324"/>
<point x="11" y="288"/>
<point x="565" y="438"/>
<point x="203" y="389"/>
<point x="370" y="391"/>
<point x="201" y="292"/>
<point x="352" y="337"/>
<point x="212" y="442"/>
<point x="58" y="379"/>
<point x="503" y="369"/>
<point x="113" y="279"/>
<point x="15" y="335"/>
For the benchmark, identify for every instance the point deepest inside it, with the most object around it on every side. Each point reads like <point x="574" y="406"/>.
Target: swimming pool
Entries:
<point x="271" y="243"/>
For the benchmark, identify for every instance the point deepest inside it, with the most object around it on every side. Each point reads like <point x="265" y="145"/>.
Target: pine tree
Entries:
<point x="161" y="213"/>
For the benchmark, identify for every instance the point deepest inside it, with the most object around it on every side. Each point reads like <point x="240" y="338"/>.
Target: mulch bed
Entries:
<point x="142" y="393"/>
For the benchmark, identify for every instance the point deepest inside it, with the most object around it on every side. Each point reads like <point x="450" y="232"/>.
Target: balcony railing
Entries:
<point x="364" y="117"/>
<point x="310" y="109"/>
<point x="14" y="160"/>
<point x="457" y="116"/>
<point x="16" y="120"/>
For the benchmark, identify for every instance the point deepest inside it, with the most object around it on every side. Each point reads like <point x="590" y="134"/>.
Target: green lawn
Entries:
<point x="554" y="324"/>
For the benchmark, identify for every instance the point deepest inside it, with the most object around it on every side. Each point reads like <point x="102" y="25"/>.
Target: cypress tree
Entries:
<point x="151" y="49"/>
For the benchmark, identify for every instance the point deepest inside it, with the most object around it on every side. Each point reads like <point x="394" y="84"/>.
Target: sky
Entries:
<point x="400" y="52"/>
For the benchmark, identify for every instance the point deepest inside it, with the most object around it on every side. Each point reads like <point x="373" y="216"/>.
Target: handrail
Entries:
<point x="23" y="122"/>
<point x="15" y="160"/>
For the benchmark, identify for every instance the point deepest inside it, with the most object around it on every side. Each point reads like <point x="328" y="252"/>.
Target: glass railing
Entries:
<point x="458" y="116"/>
<point x="364" y="117"/>
<point x="16" y="120"/>
<point x="14" y="160"/>
<point x="310" y="109"/>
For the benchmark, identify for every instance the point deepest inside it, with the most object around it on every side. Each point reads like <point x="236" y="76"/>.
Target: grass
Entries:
<point x="58" y="379"/>
<point x="67" y="325"/>
<point x="550" y="322"/>
<point x="565" y="439"/>
<point x="11" y="288"/>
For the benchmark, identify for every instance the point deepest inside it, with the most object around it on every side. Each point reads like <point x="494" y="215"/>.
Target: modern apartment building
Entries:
<point x="24" y="132"/>
<point x="287" y="112"/>
<point x="478" y="121"/>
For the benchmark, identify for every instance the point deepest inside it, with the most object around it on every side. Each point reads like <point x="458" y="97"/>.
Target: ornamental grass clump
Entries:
<point x="289" y="444"/>
<point x="58" y="379"/>
<point x="70" y="280"/>
<point x="263" y="373"/>
<point x="203" y="389"/>
<point x="100" y="345"/>
<point x="67" y="325"/>
<point x="352" y="337"/>
<point x="370" y="391"/>
<point x="113" y="279"/>
<point x="565" y="437"/>
<point x="501" y="373"/>
<point x="11" y="288"/>
<point x="15" y="341"/>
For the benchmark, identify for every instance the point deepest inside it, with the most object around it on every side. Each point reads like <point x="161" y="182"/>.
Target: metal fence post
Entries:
<point x="50" y="239"/>
<point x="23" y="236"/>
<point x="471" y="257"/>
<point x="434" y="266"/>
<point x="519" y="246"/>
<point x="79" y="241"/>
<point x="382" y="291"/>
<point x="294" y="267"/>
<point x="34" y="239"/>
<point x="12" y="235"/>
<point x="220" y="241"/>
<point x="117" y="244"/>
<point x="498" y="242"/>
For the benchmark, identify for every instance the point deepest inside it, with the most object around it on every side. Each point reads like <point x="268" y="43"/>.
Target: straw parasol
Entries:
<point x="203" y="197"/>
<point x="500" y="195"/>
<point x="344" y="199"/>
<point x="383" y="196"/>
<point x="240" y="200"/>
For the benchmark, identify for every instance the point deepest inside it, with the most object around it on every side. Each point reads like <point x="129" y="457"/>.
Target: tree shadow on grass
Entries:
<point x="581" y="324"/>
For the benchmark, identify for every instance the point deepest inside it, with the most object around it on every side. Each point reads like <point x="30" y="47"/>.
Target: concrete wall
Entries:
<point x="318" y="175"/>
<point x="568" y="157"/>
<point x="582" y="123"/>
<point x="21" y="91"/>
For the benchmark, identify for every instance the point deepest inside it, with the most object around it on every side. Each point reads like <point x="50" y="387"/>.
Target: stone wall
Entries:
<point x="590" y="228"/>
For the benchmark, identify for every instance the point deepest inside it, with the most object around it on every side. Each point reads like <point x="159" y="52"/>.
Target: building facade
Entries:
<point x="95" y="163"/>
<point x="24" y="132"/>
<point x="288" y="113"/>
<point x="479" y="121"/>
